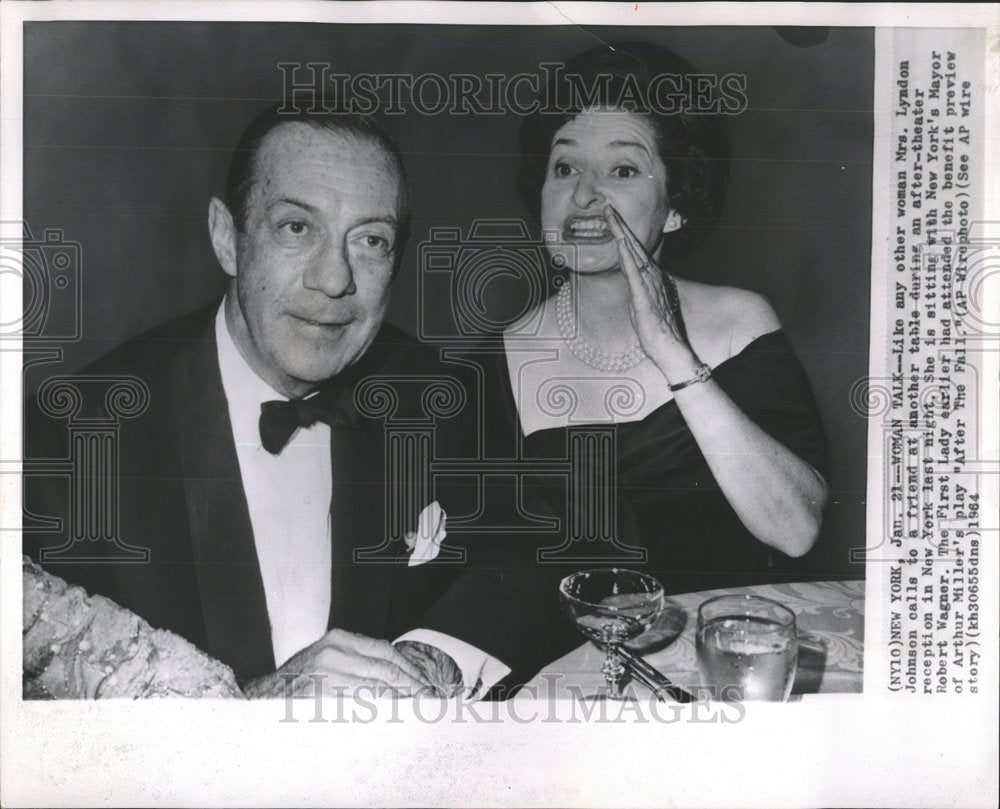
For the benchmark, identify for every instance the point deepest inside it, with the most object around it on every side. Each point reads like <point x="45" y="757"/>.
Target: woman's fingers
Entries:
<point x="611" y="215"/>
<point x="629" y="246"/>
<point x="641" y="262"/>
<point x="627" y="258"/>
<point x="655" y="303"/>
<point x="636" y="263"/>
<point x="621" y="240"/>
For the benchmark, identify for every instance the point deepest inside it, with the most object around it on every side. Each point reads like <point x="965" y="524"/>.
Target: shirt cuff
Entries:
<point x="480" y="671"/>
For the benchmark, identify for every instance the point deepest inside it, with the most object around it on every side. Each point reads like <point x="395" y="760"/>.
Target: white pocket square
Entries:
<point x="425" y="542"/>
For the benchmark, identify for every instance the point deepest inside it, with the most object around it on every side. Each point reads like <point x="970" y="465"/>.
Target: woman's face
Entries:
<point x="601" y="157"/>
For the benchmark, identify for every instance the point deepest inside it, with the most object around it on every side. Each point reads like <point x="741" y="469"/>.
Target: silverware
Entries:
<point x="651" y="678"/>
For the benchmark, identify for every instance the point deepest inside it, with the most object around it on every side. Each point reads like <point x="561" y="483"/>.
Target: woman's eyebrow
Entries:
<point x="617" y="144"/>
<point x="614" y="144"/>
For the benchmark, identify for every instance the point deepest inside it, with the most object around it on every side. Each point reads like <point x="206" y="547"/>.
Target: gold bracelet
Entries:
<point x="703" y="374"/>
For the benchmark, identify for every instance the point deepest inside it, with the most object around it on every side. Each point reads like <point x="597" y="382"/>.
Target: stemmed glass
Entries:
<point x="611" y="606"/>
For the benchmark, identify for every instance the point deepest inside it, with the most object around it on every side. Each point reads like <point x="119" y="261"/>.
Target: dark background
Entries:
<point x="128" y="129"/>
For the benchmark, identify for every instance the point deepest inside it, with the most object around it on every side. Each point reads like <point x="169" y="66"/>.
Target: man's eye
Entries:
<point x="374" y="243"/>
<point x="562" y="169"/>
<point x="294" y="227"/>
<point x="624" y="172"/>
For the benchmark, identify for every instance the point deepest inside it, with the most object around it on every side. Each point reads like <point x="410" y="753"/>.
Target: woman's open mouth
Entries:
<point x="587" y="230"/>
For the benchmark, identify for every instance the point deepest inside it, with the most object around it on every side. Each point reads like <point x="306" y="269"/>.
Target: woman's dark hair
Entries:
<point x="652" y="81"/>
<point x="242" y="166"/>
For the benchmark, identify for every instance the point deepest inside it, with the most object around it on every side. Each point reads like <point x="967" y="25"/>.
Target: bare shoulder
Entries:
<point x="725" y="318"/>
<point x="750" y="315"/>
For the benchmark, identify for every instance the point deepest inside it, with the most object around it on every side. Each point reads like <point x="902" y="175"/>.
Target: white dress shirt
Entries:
<point x="288" y="497"/>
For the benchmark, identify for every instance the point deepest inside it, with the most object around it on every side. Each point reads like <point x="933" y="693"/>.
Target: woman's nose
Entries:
<point x="588" y="191"/>
<point x="329" y="272"/>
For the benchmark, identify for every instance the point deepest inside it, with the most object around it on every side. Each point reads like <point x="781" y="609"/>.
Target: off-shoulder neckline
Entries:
<point x="777" y="333"/>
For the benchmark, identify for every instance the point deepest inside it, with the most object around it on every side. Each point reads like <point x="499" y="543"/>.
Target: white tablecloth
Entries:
<point x="829" y="618"/>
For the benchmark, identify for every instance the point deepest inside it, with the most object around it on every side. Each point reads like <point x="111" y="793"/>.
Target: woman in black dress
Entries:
<point x="718" y="457"/>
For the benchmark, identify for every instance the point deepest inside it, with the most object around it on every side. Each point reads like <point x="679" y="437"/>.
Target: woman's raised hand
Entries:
<point x="654" y="307"/>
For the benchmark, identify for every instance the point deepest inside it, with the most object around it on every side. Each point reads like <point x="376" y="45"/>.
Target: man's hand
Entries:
<point x="342" y="659"/>
<point x="435" y="667"/>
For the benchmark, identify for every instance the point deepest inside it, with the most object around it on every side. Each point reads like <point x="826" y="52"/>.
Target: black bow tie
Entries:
<point x="280" y="419"/>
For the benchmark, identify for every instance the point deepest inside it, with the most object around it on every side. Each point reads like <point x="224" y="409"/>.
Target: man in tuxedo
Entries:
<point x="250" y="556"/>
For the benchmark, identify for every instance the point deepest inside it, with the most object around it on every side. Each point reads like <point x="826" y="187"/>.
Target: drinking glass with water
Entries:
<point x="747" y="648"/>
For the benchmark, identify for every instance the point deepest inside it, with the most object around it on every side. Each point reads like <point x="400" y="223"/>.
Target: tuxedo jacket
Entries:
<point x="182" y="508"/>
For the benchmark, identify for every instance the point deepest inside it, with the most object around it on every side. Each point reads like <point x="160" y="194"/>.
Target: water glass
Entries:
<point x="747" y="648"/>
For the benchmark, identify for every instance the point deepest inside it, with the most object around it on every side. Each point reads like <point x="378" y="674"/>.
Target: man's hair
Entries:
<point x="242" y="166"/>
<point x="693" y="146"/>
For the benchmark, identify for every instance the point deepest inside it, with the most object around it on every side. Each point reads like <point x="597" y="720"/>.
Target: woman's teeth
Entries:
<point x="588" y="229"/>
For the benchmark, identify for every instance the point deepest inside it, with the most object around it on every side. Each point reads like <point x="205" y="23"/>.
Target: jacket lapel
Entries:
<point x="228" y="573"/>
<point x="367" y="563"/>
<point x="360" y="587"/>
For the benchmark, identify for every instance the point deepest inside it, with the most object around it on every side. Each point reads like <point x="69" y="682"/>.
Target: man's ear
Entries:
<point x="674" y="222"/>
<point x="222" y="231"/>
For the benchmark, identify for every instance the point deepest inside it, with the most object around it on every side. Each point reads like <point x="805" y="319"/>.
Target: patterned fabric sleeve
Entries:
<point x="87" y="647"/>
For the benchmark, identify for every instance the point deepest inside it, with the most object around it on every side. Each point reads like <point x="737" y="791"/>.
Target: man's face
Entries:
<point x="314" y="263"/>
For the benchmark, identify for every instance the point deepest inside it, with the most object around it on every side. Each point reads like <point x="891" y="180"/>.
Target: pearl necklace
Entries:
<point x="617" y="363"/>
